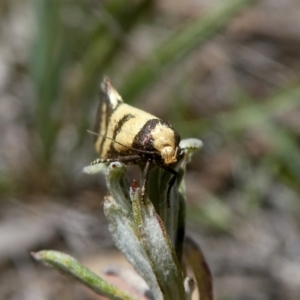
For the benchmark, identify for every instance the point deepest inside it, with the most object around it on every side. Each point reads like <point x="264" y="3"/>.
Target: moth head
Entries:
<point x="169" y="154"/>
<point x="165" y="141"/>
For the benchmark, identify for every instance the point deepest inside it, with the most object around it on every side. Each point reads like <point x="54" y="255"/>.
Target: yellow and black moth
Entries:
<point x="132" y="136"/>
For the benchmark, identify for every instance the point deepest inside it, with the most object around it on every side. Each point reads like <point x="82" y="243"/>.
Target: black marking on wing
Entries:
<point x="120" y="124"/>
<point x="118" y="128"/>
<point x="143" y="140"/>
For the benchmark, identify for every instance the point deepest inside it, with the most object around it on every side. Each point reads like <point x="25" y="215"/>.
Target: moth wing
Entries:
<point x="108" y="103"/>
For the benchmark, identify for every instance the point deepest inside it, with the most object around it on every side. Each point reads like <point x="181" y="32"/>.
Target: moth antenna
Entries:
<point x="130" y="148"/>
<point x="93" y="132"/>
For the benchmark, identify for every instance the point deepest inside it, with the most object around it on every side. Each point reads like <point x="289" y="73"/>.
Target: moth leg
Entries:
<point x="130" y="158"/>
<point x="171" y="182"/>
<point x="145" y="179"/>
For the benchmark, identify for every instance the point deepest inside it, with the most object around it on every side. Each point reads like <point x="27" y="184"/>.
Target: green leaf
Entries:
<point x="71" y="267"/>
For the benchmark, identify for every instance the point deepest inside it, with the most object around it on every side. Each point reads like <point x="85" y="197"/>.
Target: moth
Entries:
<point x="132" y="136"/>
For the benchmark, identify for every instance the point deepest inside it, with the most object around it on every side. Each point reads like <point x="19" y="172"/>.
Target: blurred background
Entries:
<point x="226" y="72"/>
